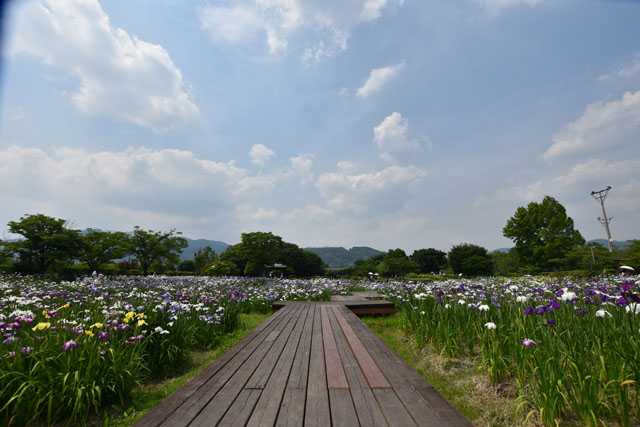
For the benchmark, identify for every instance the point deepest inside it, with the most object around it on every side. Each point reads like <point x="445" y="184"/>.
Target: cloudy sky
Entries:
<point x="386" y="123"/>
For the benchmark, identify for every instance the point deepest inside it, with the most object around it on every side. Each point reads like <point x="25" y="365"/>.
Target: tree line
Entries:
<point x="50" y="246"/>
<point x="545" y="241"/>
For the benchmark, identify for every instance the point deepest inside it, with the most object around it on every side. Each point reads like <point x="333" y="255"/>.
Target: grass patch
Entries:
<point x="152" y="394"/>
<point x="459" y="380"/>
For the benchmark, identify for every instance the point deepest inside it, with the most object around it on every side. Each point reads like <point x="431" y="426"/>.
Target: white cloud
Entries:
<point x="365" y="193"/>
<point x="273" y="23"/>
<point x="625" y="71"/>
<point x="302" y="165"/>
<point x="260" y="154"/>
<point x="119" y="75"/>
<point x="500" y="4"/>
<point x="391" y="139"/>
<point x="372" y="9"/>
<point x="598" y="172"/>
<point x="602" y="127"/>
<point x="108" y="188"/>
<point x="377" y="78"/>
<point x="16" y="113"/>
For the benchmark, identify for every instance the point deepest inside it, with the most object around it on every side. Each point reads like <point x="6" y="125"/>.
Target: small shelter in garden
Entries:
<point x="275" y="268"/>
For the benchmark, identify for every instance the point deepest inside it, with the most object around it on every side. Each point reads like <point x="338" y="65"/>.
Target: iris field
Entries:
<point x="70" y="349"/>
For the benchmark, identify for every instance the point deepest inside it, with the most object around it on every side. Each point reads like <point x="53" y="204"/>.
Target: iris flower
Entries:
<point x="528" y="342"/>
<point x="69" y="345"/>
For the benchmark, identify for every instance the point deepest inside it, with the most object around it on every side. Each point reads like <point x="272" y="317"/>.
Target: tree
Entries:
<point x="204" y="258"/>
<point x="223" y="268"/>
<point x="46" y="241"/>
<point x="543" y="234"/>
<point x="429" y="260"/>
<point x="303" y="263"/>
<point x="259" y="249"/>
<point x="470" y="260"/>
<point x="592" y="256"/>
<point x="187" y="266"/>
<point x="232" y="254"/>
<point x="396" y="263"/>
<point x="506" y="262"/>
<point x="632" y="254"/>
<point x="101" y="247"/>
<point x="150" y="247"/>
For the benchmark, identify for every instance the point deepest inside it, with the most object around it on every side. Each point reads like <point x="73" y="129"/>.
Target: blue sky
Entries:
<point x="386" y="123"/>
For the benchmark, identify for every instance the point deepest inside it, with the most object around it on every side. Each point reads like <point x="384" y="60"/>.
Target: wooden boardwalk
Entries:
<point x="311" y="364"/>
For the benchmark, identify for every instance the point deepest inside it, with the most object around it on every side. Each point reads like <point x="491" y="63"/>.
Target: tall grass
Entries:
<point x="572" y="347"/>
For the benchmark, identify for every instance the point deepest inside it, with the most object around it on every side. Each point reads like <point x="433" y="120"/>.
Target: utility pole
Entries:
<point x="600" y="196"/>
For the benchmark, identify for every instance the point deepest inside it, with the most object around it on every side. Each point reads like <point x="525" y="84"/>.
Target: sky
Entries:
<point x="385" y="123"/>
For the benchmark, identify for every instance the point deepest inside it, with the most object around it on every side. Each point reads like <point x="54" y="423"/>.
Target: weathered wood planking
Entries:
<point x="310" y="364"/>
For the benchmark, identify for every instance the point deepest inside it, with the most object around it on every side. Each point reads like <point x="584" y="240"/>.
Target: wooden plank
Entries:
<point x="292" y="408"/>
<point x="317" y="403"/>
<point x="372" y="373"/>
<point x="406" y="382"/>
<point x="394" y="411"/>
<point x="336" y="379"/>
<point x="178" y="399"/>
<point x="190" y="409"/>
<point x="237" y="415"/>
<point x="343" y="414"/>
<point x="365" y="403"/>
<point x="266" y="410"/>
<point x="216" y="408"/>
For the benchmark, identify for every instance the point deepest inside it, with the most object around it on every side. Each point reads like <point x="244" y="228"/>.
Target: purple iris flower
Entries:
<point x="69" y="345"/>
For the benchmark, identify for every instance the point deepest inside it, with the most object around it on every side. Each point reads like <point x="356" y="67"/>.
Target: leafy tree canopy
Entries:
<point x="470" y="260"/>
<point x="543" y="234"/>
<point x="151" y="246"/>
<point x="46" y="240"/>
<point x="429" y="260"/>
<point x="203" y="258"/>
<point x="101" y="247"/>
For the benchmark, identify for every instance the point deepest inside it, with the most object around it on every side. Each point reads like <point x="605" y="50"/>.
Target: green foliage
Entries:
<point x="632" y="254"/>
<point x="429" y="260"/>
<point x="203" y="258"/>
<point x="543" y="234"/>
<point x="470" y="260"/>
<point x="592" y="257"/>
<point x="187" y="265"/>
<point x="303" y="263"/>
<point x="46" y="241"/>
<point x="98" y="248"/>
<point x="223" y="267"/>
<point x="150" y="247"/>
<point x="506" y="262"/>
<point x="259" y="250"/>
<point x="396" y="263"/>
<point x="340" y="257"/>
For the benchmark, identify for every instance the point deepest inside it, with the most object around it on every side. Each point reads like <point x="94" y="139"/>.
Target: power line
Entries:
<point x="600" y="196"/>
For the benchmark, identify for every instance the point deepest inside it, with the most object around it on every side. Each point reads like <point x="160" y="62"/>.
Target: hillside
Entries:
<point x="194" y="245"/>
<point x="339" y="257"/>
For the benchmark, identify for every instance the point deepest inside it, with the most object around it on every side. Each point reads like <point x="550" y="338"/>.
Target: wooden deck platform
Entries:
<point x="359" y="303"/>
<point x="311" y="364"/>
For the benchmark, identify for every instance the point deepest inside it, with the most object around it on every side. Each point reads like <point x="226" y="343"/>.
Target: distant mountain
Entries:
<point x="616" y="243"/>
<point x="194" y="245"/>
<point x="339" y="257"/>
<point x="505" y="250"/>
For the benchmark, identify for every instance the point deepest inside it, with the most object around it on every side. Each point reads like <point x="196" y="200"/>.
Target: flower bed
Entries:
<point x="573" y="346"/>
<point x="69" y="348"/>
